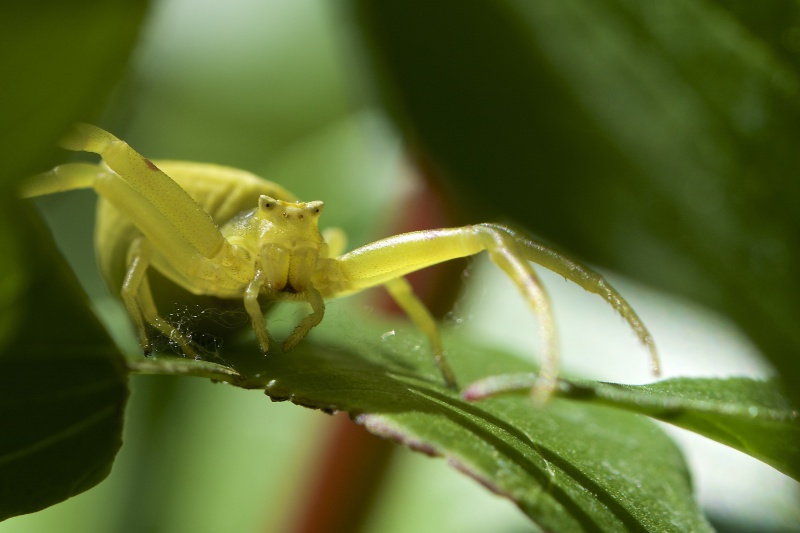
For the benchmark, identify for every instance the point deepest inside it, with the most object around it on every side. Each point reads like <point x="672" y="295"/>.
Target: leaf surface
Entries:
<point x="570" y="467"/>
<point x="753" y="416"/>
<point x="62" y="381"/>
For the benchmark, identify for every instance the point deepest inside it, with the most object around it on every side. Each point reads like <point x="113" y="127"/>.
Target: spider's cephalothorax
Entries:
<point x="195" y="224"/>
<point x="283" y="239"/>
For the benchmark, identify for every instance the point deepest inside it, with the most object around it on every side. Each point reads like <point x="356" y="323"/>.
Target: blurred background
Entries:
<point x="286" y="90"/>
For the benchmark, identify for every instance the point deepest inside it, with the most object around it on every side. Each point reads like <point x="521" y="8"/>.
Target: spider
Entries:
<point x="224" y="232"/>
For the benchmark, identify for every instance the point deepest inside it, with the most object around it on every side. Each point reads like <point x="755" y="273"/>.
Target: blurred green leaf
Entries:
<point x="60" y="60"/>
<point x="749" y="415"/>
<point x="62" y="384"/>
<point x="659" y="139"/>
<point x="571" y="466"/>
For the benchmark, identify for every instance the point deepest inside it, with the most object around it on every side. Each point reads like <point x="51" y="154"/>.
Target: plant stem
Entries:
<point x="347" y="477"/>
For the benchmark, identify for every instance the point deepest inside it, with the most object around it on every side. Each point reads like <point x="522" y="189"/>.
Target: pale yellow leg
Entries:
<point x="166" y="214"/>
<point x="336" y="239"/>
<point x="139" y="301"/>
<point x="384" y="260"/>
<point x="137" y="269"/>
<point x="254" y="310"/>
<point x="314" y="298"/>
<point x="506" y="255"/>
<point x="404" y="296"/>
<point x="182" y="217"/>
<point x="589" y="280"/>
<point x="387" y="259"/>
<point x="62" y="178"/>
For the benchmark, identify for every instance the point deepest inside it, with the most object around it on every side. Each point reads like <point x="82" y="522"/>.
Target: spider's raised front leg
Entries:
<point x="178" y="237"/>
<point x="386" y="260"/>
<point x="155" y="202"/>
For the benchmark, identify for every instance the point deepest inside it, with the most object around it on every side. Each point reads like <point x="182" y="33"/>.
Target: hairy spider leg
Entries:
<point x="401" y="292"/>
<point x="185" y="217"/>
<point x="310" y="321"/>
<point x="165" y="214"/>
<point x="587" y="279"/>
<point x="403" y="295"/>
<point x="135" y="291"/>
<point x="138" y="300"/>
<point x="188" y="246"/>
<point x="387" y="259"/>
<point x="66" y="177"/>
<point x="383" y="261"/>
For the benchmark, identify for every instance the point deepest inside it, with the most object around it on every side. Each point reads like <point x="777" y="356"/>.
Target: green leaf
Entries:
<point x="749" y="415"/>
<point x="571" y="466"/>
<point x="62" y="384"/>
<point x="655" y="138"/>
<point x="60" y="61"/>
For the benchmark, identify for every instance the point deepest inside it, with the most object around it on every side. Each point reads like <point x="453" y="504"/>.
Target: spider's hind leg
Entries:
<point x="504" y="252"/>
<point x="584" y="277"/>
<point x="402" y="293"/>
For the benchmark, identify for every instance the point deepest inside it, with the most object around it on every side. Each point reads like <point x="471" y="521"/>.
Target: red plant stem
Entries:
<point x="350" y="469"/>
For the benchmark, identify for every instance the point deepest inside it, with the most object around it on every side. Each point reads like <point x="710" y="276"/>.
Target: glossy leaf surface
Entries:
<point x="570" y="466"/>
<point x="749" y="415"/>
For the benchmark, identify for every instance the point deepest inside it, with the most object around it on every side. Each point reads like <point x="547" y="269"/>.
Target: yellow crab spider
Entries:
<point x="223" y="232"/>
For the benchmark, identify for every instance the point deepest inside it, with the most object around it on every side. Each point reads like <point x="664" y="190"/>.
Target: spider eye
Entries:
<point x="314" y="207"/>
<point x="265" y="202"/>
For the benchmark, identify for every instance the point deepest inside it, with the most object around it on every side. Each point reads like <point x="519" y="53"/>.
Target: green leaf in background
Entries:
<point x="659" y="139"/>
<point x="749" y="415"/>
<point x="572" y="466"/>
<point x="62" y="384"/>
<point x="60" y="60"/>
